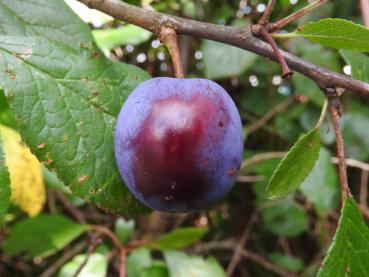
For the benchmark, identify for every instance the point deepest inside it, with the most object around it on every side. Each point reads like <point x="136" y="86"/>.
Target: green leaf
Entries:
<point x="321" y="186"/>
<point x="359" y="64"/>
<point x="96" y="266"/>
<point x="124" y="229"/>
<point x="4" y="184"/>
<point x="180" y="238"/>
<point x="349" y="253"/>
<point x="284" y="217"/>
<point x="42" y="236"/>
<point x="355" y="129"/>
<point x="337" y="33"/>
<point x="288" y="262"/>
<point x="73" y="98"/>
<point x="139" y="259"/>
<point x="51" y="19"/>
<point x="128" y="34"/>
<point x="6" y="116"/>
<point x="157" y="269"/>
<point x="182" y="265"/>
<point x="223" y="60"/>
<point x="295" y="166"/>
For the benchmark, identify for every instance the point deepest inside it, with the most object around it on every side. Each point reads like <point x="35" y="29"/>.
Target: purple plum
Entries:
<point x="178" y="143"/>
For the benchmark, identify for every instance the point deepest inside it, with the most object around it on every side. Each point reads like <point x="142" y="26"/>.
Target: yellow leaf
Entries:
<point x="27" y="185"/>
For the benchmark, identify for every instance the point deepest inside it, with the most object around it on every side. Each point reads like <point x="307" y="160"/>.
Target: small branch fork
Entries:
<point x="335" y="111"/>
<point x="262" y="29"/>
<point x="241" y="37"/>
<point x="293" y="17"/>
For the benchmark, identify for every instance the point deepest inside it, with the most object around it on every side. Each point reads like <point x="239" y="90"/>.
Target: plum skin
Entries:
<point x="178" y="143"/>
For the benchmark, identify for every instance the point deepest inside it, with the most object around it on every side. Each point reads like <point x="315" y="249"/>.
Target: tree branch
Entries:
<point x="241" y="37"/>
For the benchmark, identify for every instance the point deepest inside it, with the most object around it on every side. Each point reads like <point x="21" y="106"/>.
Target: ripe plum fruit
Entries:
<point x="178" y="143"/>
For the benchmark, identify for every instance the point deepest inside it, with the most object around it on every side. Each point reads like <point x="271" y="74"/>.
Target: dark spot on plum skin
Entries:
<point x="231" y="172"/>
<point x="167" y="165"/>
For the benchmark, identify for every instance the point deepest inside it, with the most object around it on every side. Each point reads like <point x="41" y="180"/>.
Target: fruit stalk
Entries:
<point x="168" y="36"/>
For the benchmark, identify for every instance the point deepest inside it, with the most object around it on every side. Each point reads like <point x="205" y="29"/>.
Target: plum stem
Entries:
<point x="168" y="36"/>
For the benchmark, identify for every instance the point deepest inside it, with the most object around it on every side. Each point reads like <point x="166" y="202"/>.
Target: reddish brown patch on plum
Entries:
<point x="220" y="124"/>
<point x="168" y="144"/>
<point x="231" y="172"/>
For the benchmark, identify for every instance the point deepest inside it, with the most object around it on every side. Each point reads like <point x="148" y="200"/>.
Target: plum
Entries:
<point x="178" y="143"/>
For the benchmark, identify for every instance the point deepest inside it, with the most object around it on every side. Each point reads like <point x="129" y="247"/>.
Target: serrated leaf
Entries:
<point x="180" y="238"/>
<point x="349" y="253"/>
<point x="337" y="33"/>
<point x="42" y="236"/>
<point x="68" y="119"/>
<point x="182" y="265"/>
<point x="51" y="19"/>
<point x="295" y="166"/>
<point x="4" y="184"/>
<point x="359" y="64"/>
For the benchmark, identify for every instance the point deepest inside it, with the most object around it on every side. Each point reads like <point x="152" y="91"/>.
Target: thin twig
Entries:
<point x="293" y="17"/>
<point x="322" y="115"/>
<point x="69" y="207"/>
<point x="240" y="245"/>
<point x="335" y="110"/>
<point x="269" y="115"/>
<point x="260" y="158"/>
<point x="364" y="210"/>
<point x="106" y="231"/>
<point x="268" y="10"/>
<point x="241" y="37"/>
<point x="364" y="6"/>
<point x="51" y="270"/>
<point x="122" y="262"/>
<point x="265" y="263"/>
<point x="364" y="188"/>
<point x="250" y="179"/>
<point x="247" y="254"/>
<point x="168" y="36"/>
<point x="286" y="71"/>
<point x="51" y="201"/>
<point x="90" y="250"/>
<point x="353" y="163"/>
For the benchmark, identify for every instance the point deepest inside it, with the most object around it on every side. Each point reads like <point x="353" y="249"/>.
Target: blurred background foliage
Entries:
<point x="288" y="237"/>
